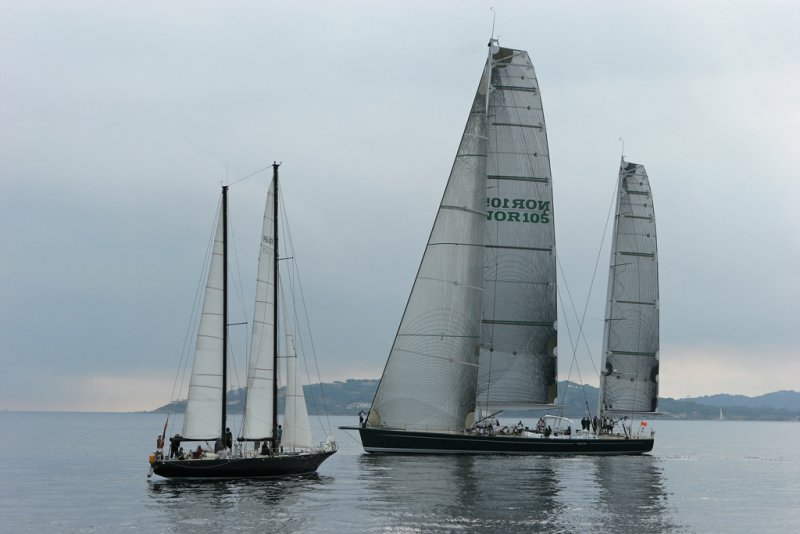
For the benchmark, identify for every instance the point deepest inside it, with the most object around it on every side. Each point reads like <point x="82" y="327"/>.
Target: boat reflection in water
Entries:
<point x="513" y="494"/>
<point x="244" y="505"/>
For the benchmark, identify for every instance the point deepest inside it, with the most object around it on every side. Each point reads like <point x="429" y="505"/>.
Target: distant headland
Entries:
<point x="353" y="395"/>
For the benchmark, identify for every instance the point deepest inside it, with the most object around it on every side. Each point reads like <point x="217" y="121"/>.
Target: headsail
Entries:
<point x="257" y="421"/>
<point x="518" y="337"/>
<point x="204" y="405"/>
<point x="629" y="376"/>
<point x="296" y="426"/>
<point x="430" y="376"/>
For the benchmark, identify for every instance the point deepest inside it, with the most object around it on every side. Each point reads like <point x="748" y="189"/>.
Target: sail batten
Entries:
<point x="629" y="374"/>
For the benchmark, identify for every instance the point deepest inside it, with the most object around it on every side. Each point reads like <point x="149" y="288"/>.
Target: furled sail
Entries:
<point x="257" y="420"/>
<point x="204" y="406"/>
<point x="629" y="376"/>
<point x="430" y="376"/>
<point x="296" y="426"/>
<point x="518" y="336"/>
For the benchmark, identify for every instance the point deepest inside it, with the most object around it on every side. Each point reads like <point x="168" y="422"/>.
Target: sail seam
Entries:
<point x="451" y="360"/>
<point x="462" y="208"/>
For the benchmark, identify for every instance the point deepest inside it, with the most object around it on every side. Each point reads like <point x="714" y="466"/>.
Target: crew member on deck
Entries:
<point x="174" y="444"/>
<point x="228" y="438"/>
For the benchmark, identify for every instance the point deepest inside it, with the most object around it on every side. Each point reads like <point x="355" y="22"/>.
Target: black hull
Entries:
<point x="378" y="440"/>
<point x="255" y="467"/>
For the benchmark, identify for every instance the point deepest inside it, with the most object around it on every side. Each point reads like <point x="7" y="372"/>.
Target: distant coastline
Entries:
<point x="353" y="395"/>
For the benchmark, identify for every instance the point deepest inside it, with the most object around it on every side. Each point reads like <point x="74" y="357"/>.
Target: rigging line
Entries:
<point x="596" y="264"/>
<point x="250" y="175"/>
<point x="238" y="280"/>
<point x="574" y="358"/>
<point x="307" y="320"/>
<point x="575" y="313"/>
<point x="183" y="363"/>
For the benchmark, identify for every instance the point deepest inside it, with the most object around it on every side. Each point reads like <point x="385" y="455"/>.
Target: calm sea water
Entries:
<point x="78" y="472"/>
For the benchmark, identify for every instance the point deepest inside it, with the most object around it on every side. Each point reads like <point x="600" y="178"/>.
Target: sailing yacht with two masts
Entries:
<point x="479" y="332"/>
<point x="287" y="449"/>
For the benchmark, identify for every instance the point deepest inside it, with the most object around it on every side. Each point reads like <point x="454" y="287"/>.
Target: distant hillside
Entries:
<point x="780" y="400"/>
<point x="351" y="396"/>
<point x="340" y="398"/>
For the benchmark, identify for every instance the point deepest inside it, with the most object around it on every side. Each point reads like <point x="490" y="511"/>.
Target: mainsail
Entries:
<point x="629" y="375"/>
<point x="430" y="376"/>
<point x="518" y="336"/>
<point x="257" y="421"/>
<point x="204" y="405"/>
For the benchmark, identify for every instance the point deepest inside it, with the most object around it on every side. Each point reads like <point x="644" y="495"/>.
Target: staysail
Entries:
<point x="204" y="404"/>
<point x="257" y="420"/>
<point x="430" y="376"/>
<point x="518" y="333"/>
<point x="296" y="425"/>
<point x="629" y="375"/>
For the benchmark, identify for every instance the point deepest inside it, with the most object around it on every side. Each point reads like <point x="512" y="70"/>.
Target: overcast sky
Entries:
<point x="119" y="120"/>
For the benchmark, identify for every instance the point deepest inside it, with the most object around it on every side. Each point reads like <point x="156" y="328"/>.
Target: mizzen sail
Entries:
<point x="629" y="375"/>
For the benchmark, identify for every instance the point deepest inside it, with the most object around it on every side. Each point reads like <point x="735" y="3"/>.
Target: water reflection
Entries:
<point x="476" y="493"/>
<point x="237" y="505"/>
<point x="632" y="495"/>
<point x="512" y="494"/>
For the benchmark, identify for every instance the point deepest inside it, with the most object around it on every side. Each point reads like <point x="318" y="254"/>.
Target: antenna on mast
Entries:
<point x="494" y="15"/>
<point x="622" y="150"/>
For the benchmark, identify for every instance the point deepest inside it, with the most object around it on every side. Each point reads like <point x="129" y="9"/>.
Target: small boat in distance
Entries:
<point x="478" y="335"/>
<point x="278" y="450"/>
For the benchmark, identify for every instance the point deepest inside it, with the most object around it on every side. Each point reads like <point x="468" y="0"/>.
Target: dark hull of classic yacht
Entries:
<point x="283" y="465"/>
<point x="380" y="440"/>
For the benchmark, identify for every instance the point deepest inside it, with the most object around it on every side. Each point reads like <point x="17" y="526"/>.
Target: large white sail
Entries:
<point x="430" y="376"/>
<point x="296" y="425"/>
<point x="203" y="417"/>
<point x="257" y="420"/>
<point x="518" y="337"/>
<point x="629" y="376"/>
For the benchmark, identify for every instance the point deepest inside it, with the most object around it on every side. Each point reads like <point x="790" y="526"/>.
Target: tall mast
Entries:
<point x="275" y="166"/>
<point x="224" y="305"/>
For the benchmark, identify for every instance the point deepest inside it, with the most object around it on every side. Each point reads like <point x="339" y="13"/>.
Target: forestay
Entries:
<point x="430" y="376"/>
<point x="629" y="377"/>
<point x="257" y="420"/>
<point x="518" y="337"/>
<point x="204" y="405"/>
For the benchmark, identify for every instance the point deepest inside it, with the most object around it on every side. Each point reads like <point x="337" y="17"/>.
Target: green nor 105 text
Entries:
<point x="517" y="210"/>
